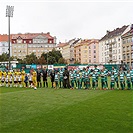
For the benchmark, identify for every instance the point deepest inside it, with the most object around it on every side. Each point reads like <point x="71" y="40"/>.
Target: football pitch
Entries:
<point x="46" y="110"/>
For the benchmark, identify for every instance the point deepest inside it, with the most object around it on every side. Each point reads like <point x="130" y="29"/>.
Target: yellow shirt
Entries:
<point x="9" y="73"/>
<point x="23" y="72"/>
<point x="18" y="73"/>
<point x="0" y="73"/>
<point x="34" y="73"/>
<point x="4" y="73"/>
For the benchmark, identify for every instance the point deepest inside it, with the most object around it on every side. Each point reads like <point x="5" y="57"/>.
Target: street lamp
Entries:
<point x="9" y="13"/>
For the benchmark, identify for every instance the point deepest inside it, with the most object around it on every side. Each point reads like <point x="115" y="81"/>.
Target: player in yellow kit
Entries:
<point x="4" y="73"/>
<point x="34" y="78"/>
<point x="0" y="76"/>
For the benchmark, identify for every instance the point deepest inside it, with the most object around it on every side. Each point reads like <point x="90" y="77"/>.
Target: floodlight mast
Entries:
<point x="9" y="13"/>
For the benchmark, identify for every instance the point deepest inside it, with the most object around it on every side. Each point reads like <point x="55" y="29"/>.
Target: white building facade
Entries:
<point x="4" y="48"/>
<point x="110" y="46"/>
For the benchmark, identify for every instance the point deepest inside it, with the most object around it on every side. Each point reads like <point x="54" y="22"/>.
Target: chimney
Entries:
<point x="107" y="32"/>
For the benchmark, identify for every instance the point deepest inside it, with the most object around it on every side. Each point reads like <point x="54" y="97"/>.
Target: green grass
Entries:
<point x="65" y="111"/>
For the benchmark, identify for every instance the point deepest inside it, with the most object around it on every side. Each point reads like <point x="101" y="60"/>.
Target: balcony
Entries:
<point x="110" y="48"/>
<point x="110" y="54"/>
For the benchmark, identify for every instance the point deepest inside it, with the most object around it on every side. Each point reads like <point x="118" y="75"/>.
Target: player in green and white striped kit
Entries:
<point x="56" y="79"/>
<point x="128" y="77"/>
<point x="87" y="79"/>
<point x="72" y="79"/>
<point x="116" y="73"/>
<point x="79" y="80"/>
<point x="106" y="76"/>
<point x="94" y="82"/>
<point x="83" y="78"/>
<point x="103" y="84"/>
<point x="61" y="77"/>
<point x="97" y="73"/>
<point x="75" y="77"/>
<point x="122" y="80"/>
<point x="112" y="83"/>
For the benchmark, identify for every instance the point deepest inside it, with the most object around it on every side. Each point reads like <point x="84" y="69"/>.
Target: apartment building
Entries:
<point x="66" y="52"/>
<point x="59" y="47"/>
<point x="110" y="46"/>
<point x="93" y="51"/>
<point x="87" y="52"/>
<point x="4" y="45"/>
<point x="127" y="44"/>
<point x="37" y="43"/>
<point x="72" y="43"/>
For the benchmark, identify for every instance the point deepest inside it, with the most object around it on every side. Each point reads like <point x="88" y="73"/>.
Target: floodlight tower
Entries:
<point x="9" y="13"/>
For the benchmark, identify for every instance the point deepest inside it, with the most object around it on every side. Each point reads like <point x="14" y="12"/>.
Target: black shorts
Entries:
<point x="15" y="82"/>
<point x="30" y="82"/>
<point x="44" y="79"/>
<point x="19" y="82"/>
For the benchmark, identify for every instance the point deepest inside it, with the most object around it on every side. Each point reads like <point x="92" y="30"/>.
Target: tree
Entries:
<point x="62" y="61"/>
<point x="76" y="62"/>
<point x="52" y="57"/>
<point x="4" y="57"/>
<point x="30" y="59"/>
<point x="41" y="60"/>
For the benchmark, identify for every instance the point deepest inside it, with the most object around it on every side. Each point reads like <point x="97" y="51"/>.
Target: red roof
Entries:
<point x="62" y="44"/>
<point x="4" y="38"/>
<point x="31" y="35"/>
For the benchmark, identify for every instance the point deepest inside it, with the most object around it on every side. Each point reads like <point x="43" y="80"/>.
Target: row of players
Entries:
<point x="18" y="78"/>
<point x="99" y="78"/>
<point x="86" y="78"/>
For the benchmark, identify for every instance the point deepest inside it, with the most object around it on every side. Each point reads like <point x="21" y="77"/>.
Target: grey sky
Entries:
<point x="66" y="20"/>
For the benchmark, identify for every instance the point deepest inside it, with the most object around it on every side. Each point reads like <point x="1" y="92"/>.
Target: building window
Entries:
<point x="128" y="48"/>
<point x="124" y="57"/>
<point x="128" y="56"/>
<point x="119" y="57"/>
<point x="119" y="50"/>
<point x="123" y="49"/>
<point x="94" y="51"/>
<point x="94" y="56"/>
<point x="85" y="51"/>
<point x="132" y="64"/>
<point x="132" y="47"/>
<point x="94" y="46"/>
<point x="3" y="49"/>
<point x="132" y="55"/>
<point x="50" y="41"/>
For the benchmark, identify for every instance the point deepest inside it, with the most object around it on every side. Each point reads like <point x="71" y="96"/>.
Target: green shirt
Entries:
<point x="122" y="77"/>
